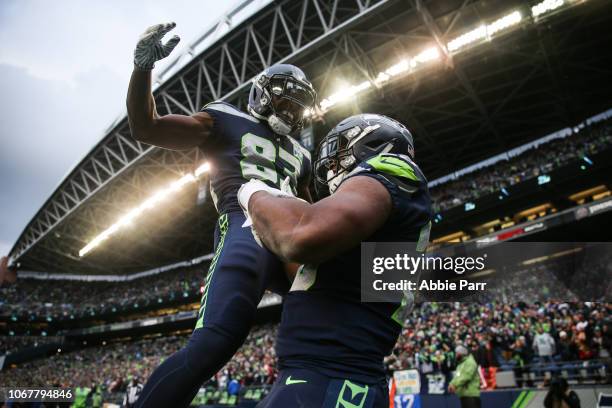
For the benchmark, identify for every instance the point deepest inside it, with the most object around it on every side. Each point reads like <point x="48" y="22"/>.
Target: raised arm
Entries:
<point x="176" y="132"/>
<point x="311" y="233"/>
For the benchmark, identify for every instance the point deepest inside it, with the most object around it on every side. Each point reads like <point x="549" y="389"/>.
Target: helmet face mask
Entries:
<point x="355" y="140"/>
<point x="283" y="96"/>
<point x="334" y="161"/>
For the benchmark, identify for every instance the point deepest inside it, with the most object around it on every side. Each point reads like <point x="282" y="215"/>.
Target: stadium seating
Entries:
<point x="529" y="164"/>
<point x="426" y="343"/>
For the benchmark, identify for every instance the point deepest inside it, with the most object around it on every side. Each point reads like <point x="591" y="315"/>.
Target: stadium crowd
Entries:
<point x="29" y="299"/>
<point x="529" y="164"/>
<point x="113" y="365"/>
<point x="9" y="344"/>
<point x="503" y="335"/>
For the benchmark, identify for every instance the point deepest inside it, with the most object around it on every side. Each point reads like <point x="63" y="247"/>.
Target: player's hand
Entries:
<point x="244" y="195"/>
<point x="285" y="187"/>
<point x="150" y="49"/>
<point x="451" y="389"/>
<point x="253" y="186"/>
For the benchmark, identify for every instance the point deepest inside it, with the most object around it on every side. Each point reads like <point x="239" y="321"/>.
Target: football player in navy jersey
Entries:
<point x="330" y="345"/>
<point x="239" y="146"/>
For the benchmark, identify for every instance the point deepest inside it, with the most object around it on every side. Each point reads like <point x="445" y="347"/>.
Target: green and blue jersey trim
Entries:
<point x="223" y="227"/>
<point x="523" y="399"/>
<point x="393" y="165"/>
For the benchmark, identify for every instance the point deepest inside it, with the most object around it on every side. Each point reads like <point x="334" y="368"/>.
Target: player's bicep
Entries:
<point x="180" y="132"/>
<point x="361" y="206"/>
<point x="353" y="213"/>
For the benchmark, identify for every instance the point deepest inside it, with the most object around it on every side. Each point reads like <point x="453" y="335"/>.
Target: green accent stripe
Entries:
<point x="393" y="166"/>
<point x="223" y="226"/>
<point x="523" y="399"/>
<point x="518" y="399"/>
<point x="530" y="395"/>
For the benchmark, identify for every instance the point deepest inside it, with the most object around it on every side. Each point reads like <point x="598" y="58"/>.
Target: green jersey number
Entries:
<point x="259" y="160"/>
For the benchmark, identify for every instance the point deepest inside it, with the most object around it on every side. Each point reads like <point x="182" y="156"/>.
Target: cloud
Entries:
<point x="4" y="248"/>
<point x="47" y="127"/>
<point x="64" y="71"/>
<point x="74" y="36"/>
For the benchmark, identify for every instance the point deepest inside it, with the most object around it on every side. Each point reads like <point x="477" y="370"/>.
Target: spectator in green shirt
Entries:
<point x="466" y="383"/>
<point x="96" y="396"/>
<point x="80" y="397"/>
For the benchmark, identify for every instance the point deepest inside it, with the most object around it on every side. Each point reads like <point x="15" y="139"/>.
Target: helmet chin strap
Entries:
<point x="278" y="125"/>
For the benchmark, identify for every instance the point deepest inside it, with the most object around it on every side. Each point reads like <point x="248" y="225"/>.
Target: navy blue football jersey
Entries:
<point x="241" y="148"/>
<point x="324" y="326"/>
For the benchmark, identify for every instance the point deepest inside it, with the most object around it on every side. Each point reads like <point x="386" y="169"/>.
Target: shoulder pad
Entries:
<point x="229" y="109"/>
<point x="396" y="165"/>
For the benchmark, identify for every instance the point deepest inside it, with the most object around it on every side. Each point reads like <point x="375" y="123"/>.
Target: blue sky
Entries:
<point x="64" y="70"/>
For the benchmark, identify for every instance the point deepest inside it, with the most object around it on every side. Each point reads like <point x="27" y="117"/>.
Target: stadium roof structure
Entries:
<point x="471" y="78"/>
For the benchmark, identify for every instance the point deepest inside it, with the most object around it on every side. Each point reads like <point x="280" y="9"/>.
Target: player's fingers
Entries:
<point x="153" y="31"/>
<point x="170" y="44"/>
<point x="164" y="29"/>
<point x="286" y="185"/>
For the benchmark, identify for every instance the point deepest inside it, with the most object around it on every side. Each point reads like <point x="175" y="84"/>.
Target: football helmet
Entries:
<point x="282" y="96"/>
<point x="353" y="141"/>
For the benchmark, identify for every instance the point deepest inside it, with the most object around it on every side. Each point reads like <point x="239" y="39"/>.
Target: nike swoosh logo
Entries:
<point x="289" y="381"/>
<point x="383" y="160"/>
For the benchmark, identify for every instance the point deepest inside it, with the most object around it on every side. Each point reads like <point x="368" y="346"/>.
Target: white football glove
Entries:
<point x="150" y="49"/>
<point x="248" y="189"/>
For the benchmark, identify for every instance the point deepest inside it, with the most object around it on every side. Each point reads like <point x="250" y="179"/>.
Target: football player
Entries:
<point x="330" y="345"/>
<point x="239" y="146"/>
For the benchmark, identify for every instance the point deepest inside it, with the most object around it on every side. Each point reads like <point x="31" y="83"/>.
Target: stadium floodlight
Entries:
<point x="545" y="7"/>
<point x="505" y="22"/>
<point x="204" y="168"/>
<point x="404" y="65"/>
<point x="485" y="32"/>
<point x="308" y="113"/>
<point x="344" y="94"/>
<point x="482" y="33"/>
<point x="468" y="38"/>
<point x="147" y="204"/>
<point x="430" y="54"/>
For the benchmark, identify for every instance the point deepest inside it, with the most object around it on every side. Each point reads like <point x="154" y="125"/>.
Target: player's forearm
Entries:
<point x="141" y="105"/>
<point x="280" y="223"/>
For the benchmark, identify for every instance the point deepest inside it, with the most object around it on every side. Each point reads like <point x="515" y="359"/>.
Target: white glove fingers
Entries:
<point x="285" y="186"/>
<point x="164" y="29"/>
<point x="170" y="44"/>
